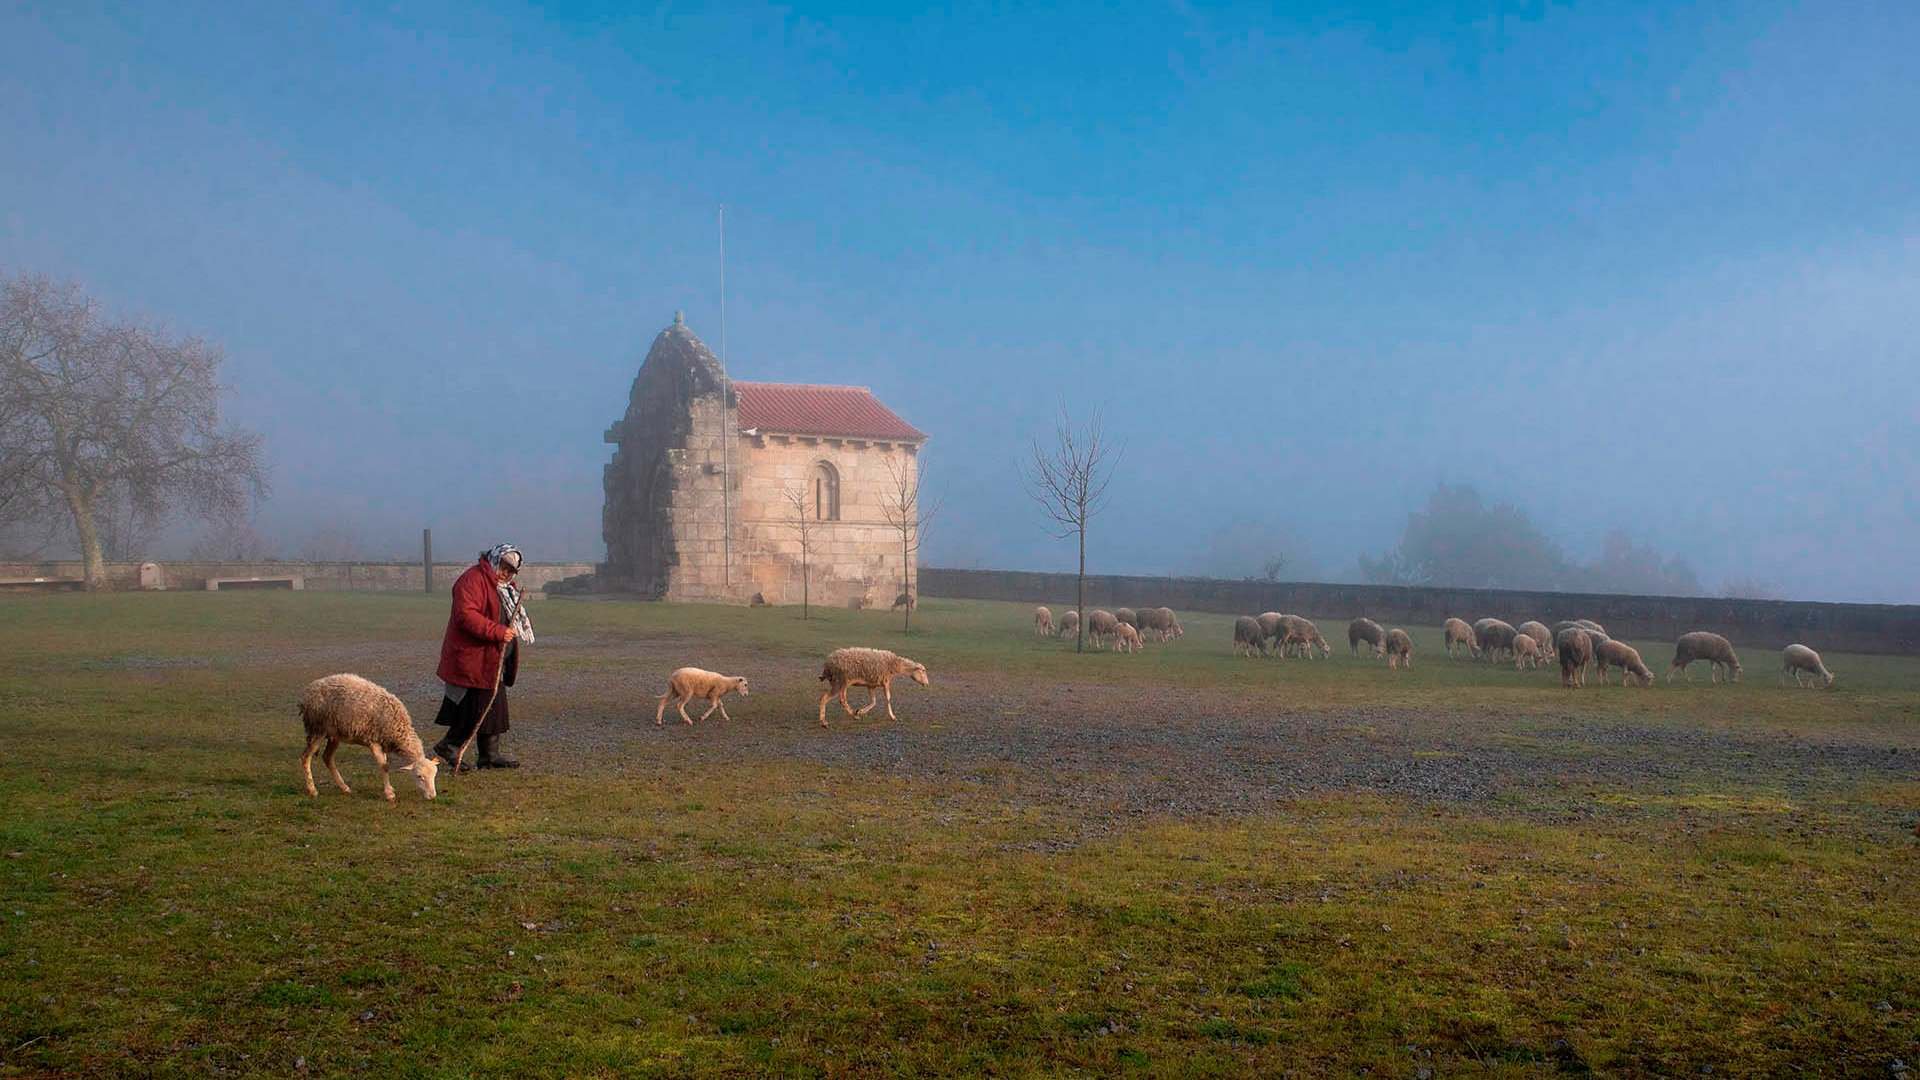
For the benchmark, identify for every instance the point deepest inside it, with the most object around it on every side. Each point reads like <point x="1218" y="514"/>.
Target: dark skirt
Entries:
<point x="459" y="719"/>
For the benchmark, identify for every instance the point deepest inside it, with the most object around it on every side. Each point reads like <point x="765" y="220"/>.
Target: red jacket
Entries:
<point x="470" y="653"/>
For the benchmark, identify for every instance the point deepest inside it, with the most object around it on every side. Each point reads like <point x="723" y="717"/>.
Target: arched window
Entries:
<point x="826" y="492"/>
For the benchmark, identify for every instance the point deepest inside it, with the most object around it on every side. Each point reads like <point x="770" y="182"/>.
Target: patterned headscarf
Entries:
<point x="497" y="554"/>
<point x="512" y="611"/>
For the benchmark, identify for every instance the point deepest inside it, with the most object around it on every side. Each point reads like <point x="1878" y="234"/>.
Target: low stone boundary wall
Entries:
<point x="313" y="576"/>
<point x="1750" y="624"/>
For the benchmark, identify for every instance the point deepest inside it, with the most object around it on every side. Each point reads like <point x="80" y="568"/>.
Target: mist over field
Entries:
<point x="1638" y="278"/>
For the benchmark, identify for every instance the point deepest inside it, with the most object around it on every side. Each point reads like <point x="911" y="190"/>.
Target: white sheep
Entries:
<point x="1541" y="636"/>
<point x="1459" y="633"/>
<point x="1127" y="615"/>
<point x="1802" y="661"/>
<point x="1272" y="628"/>
<point x="349" y="709"/>
<point x="1159" y="624"/>
<point x="1247" y="638"/>
<point x="1365" y="629"/>
<point x="1069" y="623"/>
<point x="1527" y="652"/>
<point x="1575" y="647"/>
<point x="1127" y="639"/>
<point x="1495" y="637"/>
<point x="871" y="668"/>
<point x="1302" y="637"/>
<point x="1610" y="653"/>
<point x="1101" y="626"/>
<point x="688" y="683"/>
<point x="1399" y="649"/>
<point x="1043" y="621"/>
<point x="1702" y="645"/>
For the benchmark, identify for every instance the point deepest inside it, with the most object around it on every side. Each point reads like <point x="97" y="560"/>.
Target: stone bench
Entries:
<point x="289" y="581"/>
<point x="41" y="584"/>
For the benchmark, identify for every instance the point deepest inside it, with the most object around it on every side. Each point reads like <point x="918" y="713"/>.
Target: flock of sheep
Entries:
<point x="349" y="709"/>
<point x="1578" y="644"/>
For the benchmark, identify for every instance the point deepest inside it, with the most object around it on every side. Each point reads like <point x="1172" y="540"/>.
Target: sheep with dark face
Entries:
<point x="1610" y="653"/>
<point x="1399" y="649"/>
<point x="1247" y="638"/>
<point x="1365" y="629"/>
<point x="1575" y="647"/>
<point x="871" y="668"/>
<point x="1458" y="633"/>
<point x="1703" y="645"/>
<point x="1800" y="661"/>
<point x="349" y="709"/>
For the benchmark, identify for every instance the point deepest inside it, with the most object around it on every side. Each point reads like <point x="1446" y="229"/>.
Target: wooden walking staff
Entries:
<point x="499" y="672"/>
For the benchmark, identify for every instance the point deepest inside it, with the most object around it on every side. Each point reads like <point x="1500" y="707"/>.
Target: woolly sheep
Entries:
<point x="1101" y="625"/>
<point x="1527" y="652"/>
<point x="1166" y="616"/>
<point x="1247" y="639"/>
<point x="1541" y="636"/>
<point x="1158" y="624"/>
<point x="1126" y="639"/>
<point x="1459" y="633"/>
<point x="1302" y="637"/>
<point x="1802" y="661"/>
<point x="1365" y="629"/>
<point x="349" y="709"/>
<point x="1272" y="628"/>
<point x="871" y="668"/>
<point x="1069" y="623"/>
<point x="1588" y="625"/>
<point x="1702" y="645"/>
<point x="1610" y="653"/>
<point x="1575" y="647"/>
<point x="1399" y="649"/>
<point x="1495" y="636"/>
<point x="905" y="600"/>
<point x="1043" y="621"/>
<point x="688" y="683"/>
<point x="1129" y="616"/>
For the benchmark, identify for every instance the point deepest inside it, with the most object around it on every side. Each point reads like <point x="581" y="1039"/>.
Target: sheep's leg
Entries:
<point x="306" y="763"/>
<point x="339" y="781"/>
<point x="825" y="696"/>
<point x="887" y="689"/>
<point x="844" y="705"/>
<point x="660" y="711"/>
<point x="683" y="709"/>
<point x="380" y="759"/>
<point x="872" y="698"/>
<point x="712" y="704"/>
<point x="723" y="709"/>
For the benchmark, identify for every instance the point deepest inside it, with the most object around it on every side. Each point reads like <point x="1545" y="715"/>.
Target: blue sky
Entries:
<point x="1652" y="267"/>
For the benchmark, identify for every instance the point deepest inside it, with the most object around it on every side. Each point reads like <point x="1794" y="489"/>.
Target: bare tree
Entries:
<point x="908" y="513"/>
<point x="800" y="518"/>
<point x="230" y="540"/>
<point x="1068" y="478"/>
<point x="333" y="542"/>
<point x="116" y="422"/>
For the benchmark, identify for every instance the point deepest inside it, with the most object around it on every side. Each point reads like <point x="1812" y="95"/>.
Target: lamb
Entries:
<point x="688" y="683"/>
<point x="1247" y="638"/>
<point x="1608" y="652"/>
<point x="1702" y="645"/>
<point x="1459" y="633"/>
<point x="1127" y="639"/>
<point x="1575" y="647"/>
<point x="1101" y="625"/>
<point x="349" y="709"/>
<point x="1527" y="652"/>
<point x="1399" y="649"/>
<point x="1802" y="661"/>
<point x="1365" y="629"/>
<point x="1043" y="621"/>
<point x="1495" y="636"/>
<point x="1069" y="624"/>
<point x="870" y="668"/>
<point x="1129" y="616"/>
<point x="1303" y="637"/>
<point x="1541" y="636"/>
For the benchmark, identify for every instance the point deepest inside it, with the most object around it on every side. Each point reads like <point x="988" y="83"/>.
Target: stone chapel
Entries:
<point x="700" y="493"/>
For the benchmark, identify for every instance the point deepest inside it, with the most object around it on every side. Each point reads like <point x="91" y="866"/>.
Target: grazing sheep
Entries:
<point x="1101" y="626"/>
<point x="1126" y="639"/>
<point x="1272" y="628"/>
<point x="1608" y="652"/>
<point x="1365" y="629"/>
<point x="1459" y="633"/>
<point x="1575" y="647"/>
<point x="1702" y="645"/>
<point x="1495" y="637"/>
<point x="1043" y="621"/>
<point x="1247" y="638"/>
<point x="1527" y="652"/>
<point x="1157" y="624"/>
<point x="349" y="709"/>
<point x="1172" y="622"/>
<point x="904" y="600"/>
<point x="871" y="668"/>
<point x="1588" y="625"/>
<point x="1128" y="615"/>
<point x="1302" y="637"/>
<point x="1399" y="649"/>
<point x="688" y="683"/>
<point x="1541" y="636"/>
<point x="1069" y="624"/>
<point x="1802" y="661"/>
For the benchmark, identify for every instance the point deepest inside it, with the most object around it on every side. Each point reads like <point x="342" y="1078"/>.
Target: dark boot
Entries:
<point x="490" y="756"/>
<point x="443" y="752"/>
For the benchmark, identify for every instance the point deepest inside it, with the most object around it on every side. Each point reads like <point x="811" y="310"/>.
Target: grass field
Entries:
<point x="1174" y="863"/>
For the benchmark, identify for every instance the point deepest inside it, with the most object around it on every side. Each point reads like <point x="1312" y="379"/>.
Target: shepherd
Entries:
<point x="480" y="657"/>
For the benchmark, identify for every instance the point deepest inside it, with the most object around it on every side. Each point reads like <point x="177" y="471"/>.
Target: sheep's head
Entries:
<point x="1830" y="676"/>
<point x="919" y="673"/>
<point x="424" y="770"/>
<point x="740" y="684"/>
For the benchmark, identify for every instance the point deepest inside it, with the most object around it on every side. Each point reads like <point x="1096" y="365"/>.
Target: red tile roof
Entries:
<point x="843" y="412"/>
